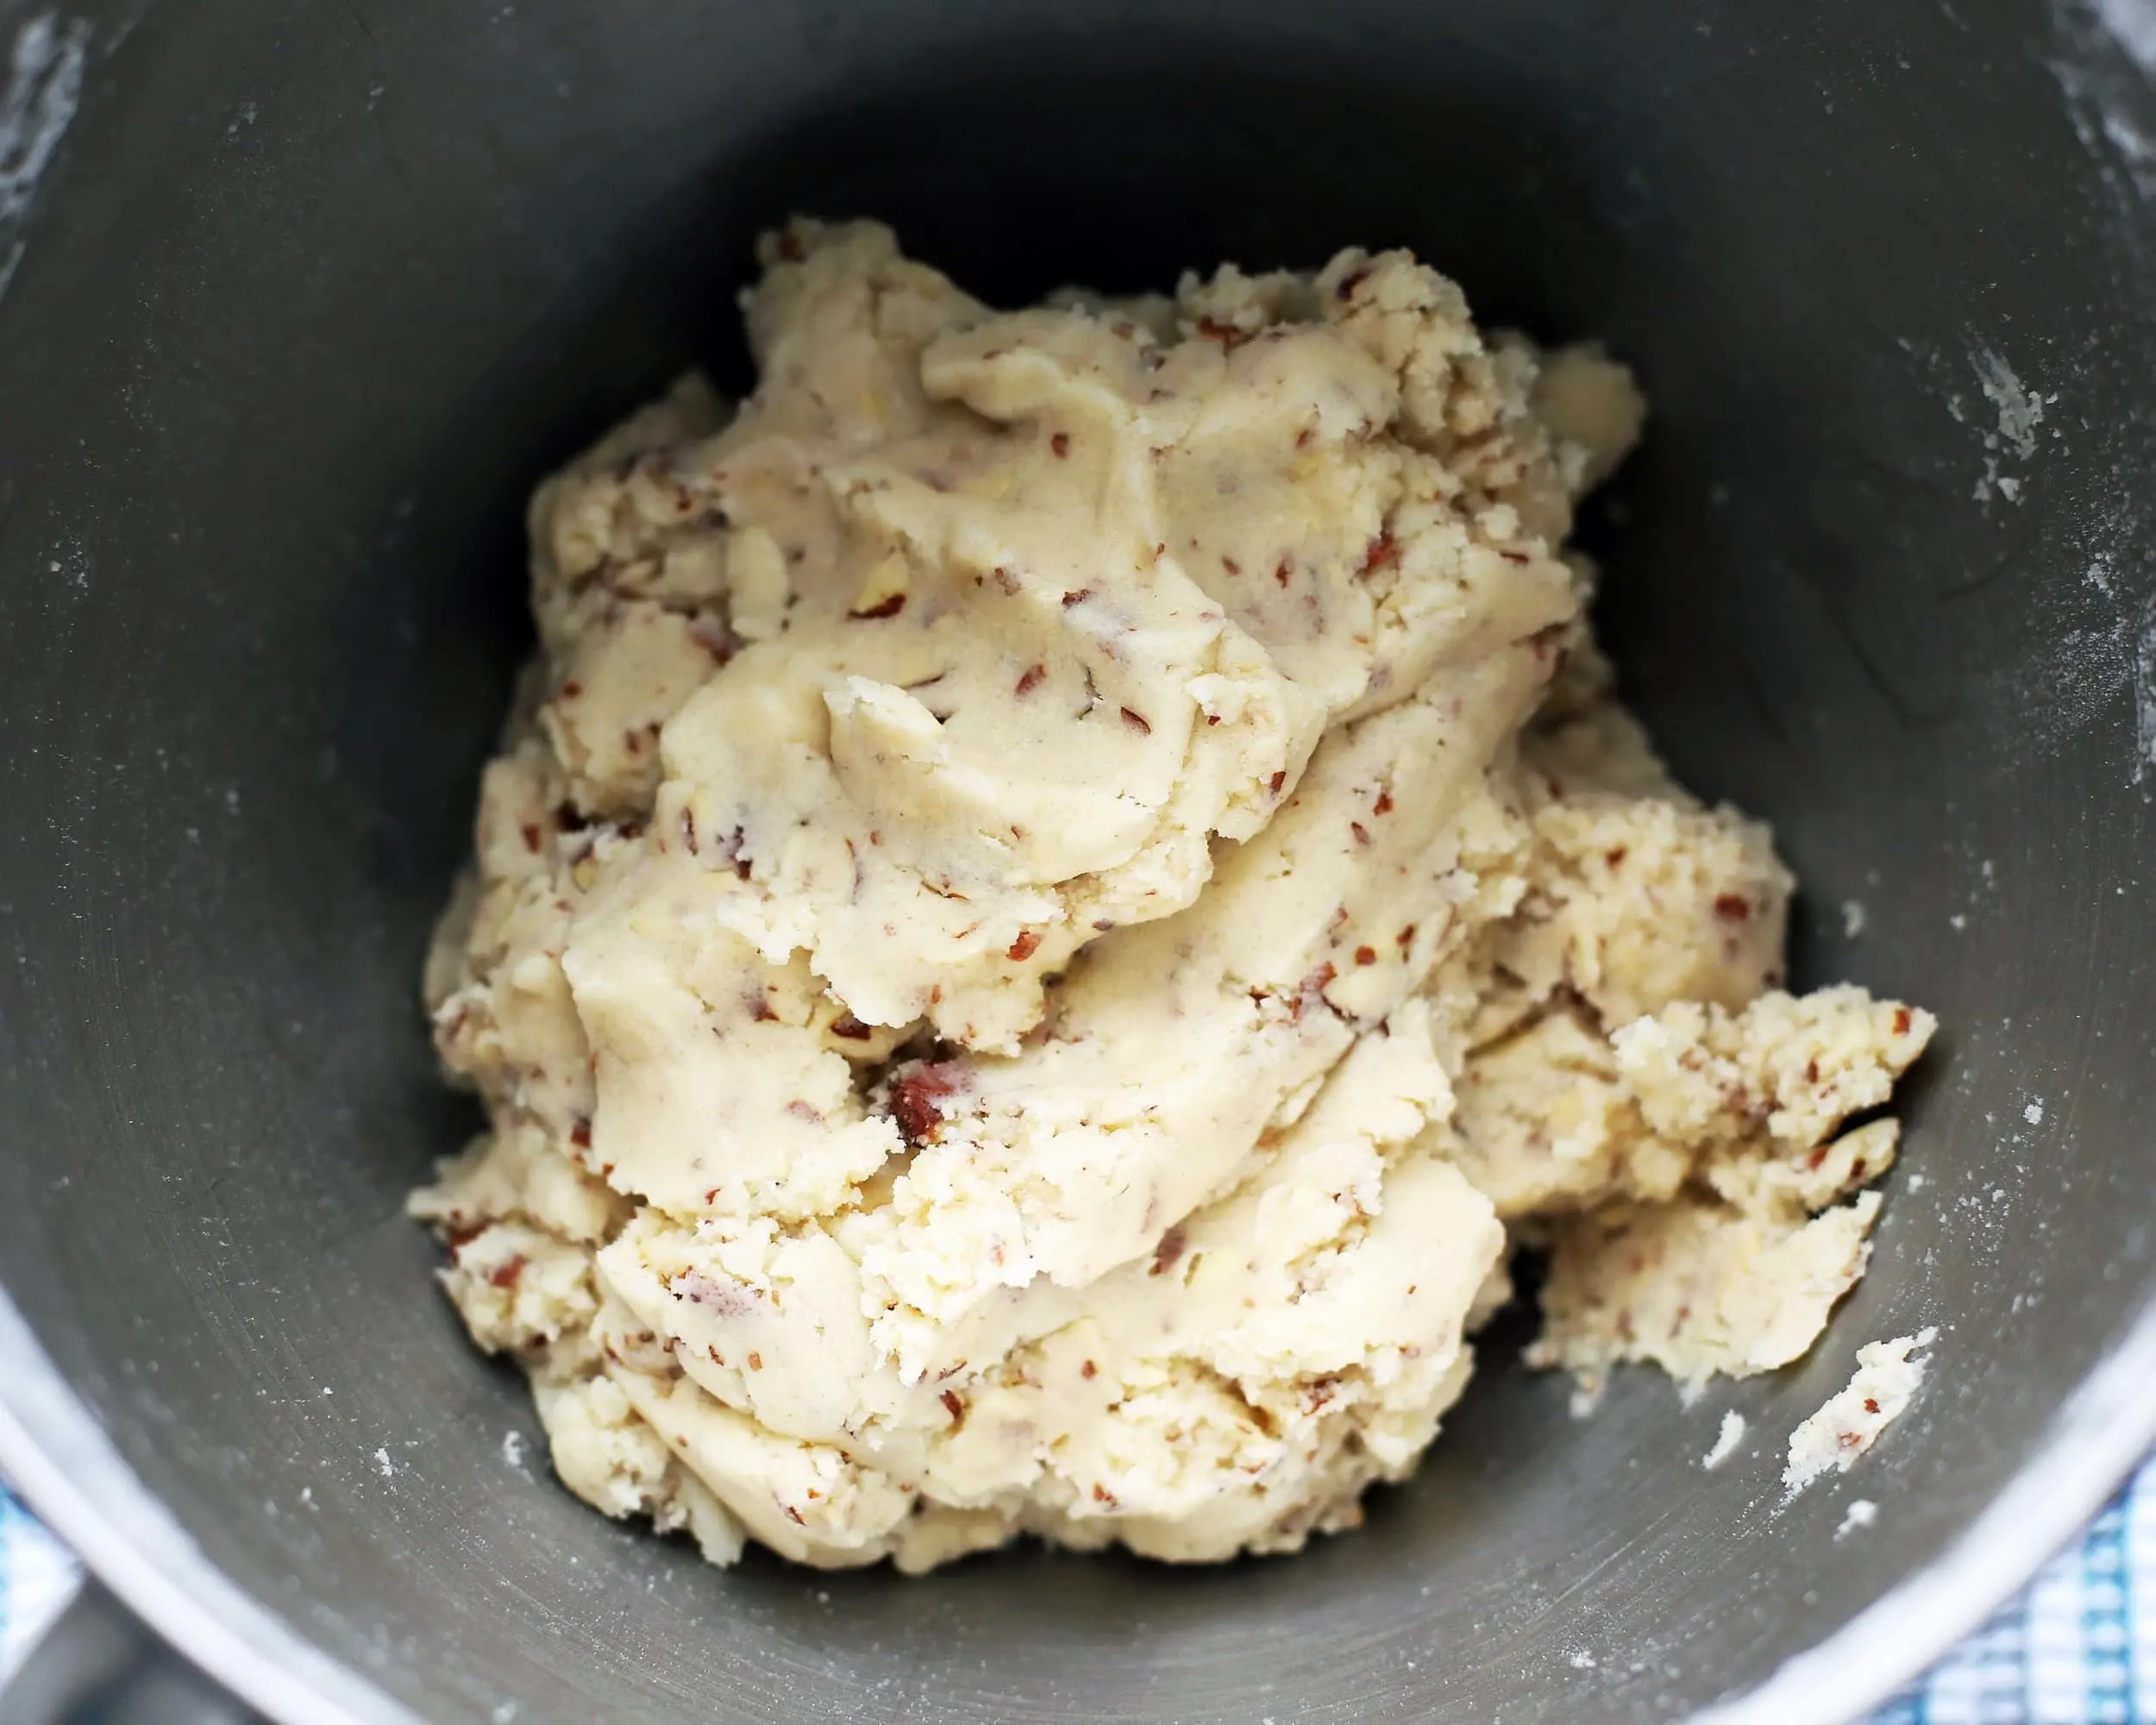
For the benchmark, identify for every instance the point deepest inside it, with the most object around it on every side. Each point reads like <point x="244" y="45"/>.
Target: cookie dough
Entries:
<point x="1063" y="887"/>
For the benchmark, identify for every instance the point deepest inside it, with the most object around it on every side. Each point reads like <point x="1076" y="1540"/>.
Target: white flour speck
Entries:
<point x="1957" y="922"/>
<point x="1726" y="1441"/>
<point x="43" y="89"/>
<point x="1580" y="1660"/>
<point x="2034" y="1113"/>
<point x="1862" y="1514"/>
<point x="2128" y="140"/>
<point x="383" y="1464"/>
<point x="2021" y="411"/>
<point x="2132" y="25"/>
<point x="2145" y="700"/>
<point x="1852" y="918"/>
<point x="513" y="1448"/>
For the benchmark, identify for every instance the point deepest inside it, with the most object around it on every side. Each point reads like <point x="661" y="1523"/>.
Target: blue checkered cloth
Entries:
<point x="2077" y="1648"/>
<point x="37" y="1579"/>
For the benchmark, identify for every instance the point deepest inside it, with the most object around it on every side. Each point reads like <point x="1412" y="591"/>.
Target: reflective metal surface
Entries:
<point x="310" y="295"/>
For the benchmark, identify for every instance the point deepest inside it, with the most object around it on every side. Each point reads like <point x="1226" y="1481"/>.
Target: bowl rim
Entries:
<point x="65" y="1465"/>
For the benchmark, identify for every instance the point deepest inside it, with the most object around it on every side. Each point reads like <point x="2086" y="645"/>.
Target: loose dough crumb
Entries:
<point x="1849" y="1423"/>
<point x="1726" y="1441"/>
<point x="1861" y="1513"/>
<point x="1064" y="887"/>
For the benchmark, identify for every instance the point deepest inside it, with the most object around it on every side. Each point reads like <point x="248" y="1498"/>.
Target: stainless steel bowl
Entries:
<point x="309" y="295"/>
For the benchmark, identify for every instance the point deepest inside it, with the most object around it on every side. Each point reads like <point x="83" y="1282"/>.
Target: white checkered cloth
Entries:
<point x="2077" y="1648"/>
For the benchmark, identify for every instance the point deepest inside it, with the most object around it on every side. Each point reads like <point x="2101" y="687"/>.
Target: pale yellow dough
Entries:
<point x="1064" y="883"/>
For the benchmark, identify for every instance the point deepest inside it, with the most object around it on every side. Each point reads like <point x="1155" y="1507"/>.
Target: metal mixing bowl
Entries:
<point x="310" y="294"/>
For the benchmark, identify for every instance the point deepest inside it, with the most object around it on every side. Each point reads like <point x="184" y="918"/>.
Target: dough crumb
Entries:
<point x="1861" y="1513"/>
<point x="1849" y="1423"/>
<point x="1726" y="1441"/>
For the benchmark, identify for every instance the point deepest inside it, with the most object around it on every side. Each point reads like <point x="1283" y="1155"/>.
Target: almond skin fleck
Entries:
<point x="1383" y="553"/>
<point x="1024" y="946"/>
<point x="918" y="1089"/>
